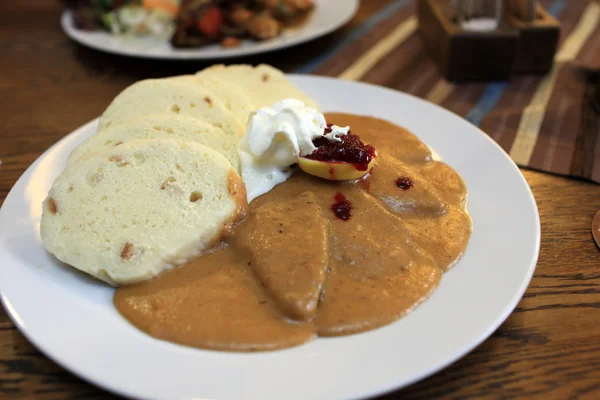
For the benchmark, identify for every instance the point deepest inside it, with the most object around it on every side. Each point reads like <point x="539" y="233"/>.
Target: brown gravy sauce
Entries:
<point x="293" y="270"/>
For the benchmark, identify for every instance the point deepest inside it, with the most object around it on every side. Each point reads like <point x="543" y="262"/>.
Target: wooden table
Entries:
<point x="548" y="348"/>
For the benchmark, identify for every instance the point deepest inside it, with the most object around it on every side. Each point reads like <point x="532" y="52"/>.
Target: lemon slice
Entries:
<point x="334" y="170"/>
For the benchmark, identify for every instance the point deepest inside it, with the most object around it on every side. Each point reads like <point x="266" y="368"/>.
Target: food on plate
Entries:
<point x="202" y="22"/>
<point x="161" y="126"/>
<point x="127" y="17"/>
<point x="175" y="116"/>
<point x="192" y="23"/>
<point x="302" y="224"/>
<point x="339" y="156"/>
<point x="234" y="98"/>
<point x="369" y="250"/>
<point x="129" y="213"/>
<point x="275" y="264"/>
<point x="275" y="139"/>
<point x="168" y="96"/>
<point x="291" y="133"/>
<point x="264" y="84"/>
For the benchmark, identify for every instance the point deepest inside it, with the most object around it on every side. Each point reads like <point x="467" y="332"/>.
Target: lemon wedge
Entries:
<point x="334" y="170"/>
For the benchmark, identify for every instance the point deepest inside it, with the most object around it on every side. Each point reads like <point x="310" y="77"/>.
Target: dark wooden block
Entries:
<point x="537" y="43"/>
<point x="463" y="55"/>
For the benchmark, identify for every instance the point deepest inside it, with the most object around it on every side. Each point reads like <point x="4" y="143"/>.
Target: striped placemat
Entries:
<point x="550" y="123"/>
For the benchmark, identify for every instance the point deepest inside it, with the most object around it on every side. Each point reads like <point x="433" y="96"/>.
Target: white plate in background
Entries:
<point x="72" y="320"/>
<point x="328" y="16"/>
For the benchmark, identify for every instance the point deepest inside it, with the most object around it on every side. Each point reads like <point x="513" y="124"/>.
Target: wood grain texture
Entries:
<point x="548" y="348"/>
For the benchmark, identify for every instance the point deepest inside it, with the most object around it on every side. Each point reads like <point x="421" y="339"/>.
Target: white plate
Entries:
<point x="72" y="320"/>
<point x="327" y="17"/>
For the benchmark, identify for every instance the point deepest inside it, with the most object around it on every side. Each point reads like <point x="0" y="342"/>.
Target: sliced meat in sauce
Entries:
<point x="289" y="263"/>
<point x="446" y="181"/>
<point x="377" y="271"/>
<point x="422" y="198"/>
<point x="294" y="268"/>
<point x="444" y="237"/>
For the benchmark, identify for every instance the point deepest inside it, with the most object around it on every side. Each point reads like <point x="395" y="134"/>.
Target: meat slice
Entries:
<point x="403" y="189"/>
<point x="290" y="264"/>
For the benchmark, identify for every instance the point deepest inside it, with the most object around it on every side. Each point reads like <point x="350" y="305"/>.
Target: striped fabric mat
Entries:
<point x="550" y="123"/>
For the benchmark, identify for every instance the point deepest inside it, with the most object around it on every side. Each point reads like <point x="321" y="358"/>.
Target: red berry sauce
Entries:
<point x="349" y="150"/>
<point x="404" y="183"/>
<point x="342" y="206"/>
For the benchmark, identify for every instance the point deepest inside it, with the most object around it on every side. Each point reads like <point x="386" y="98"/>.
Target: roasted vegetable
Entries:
<point x="263" y="27"/>
<point x="210" y="21"/>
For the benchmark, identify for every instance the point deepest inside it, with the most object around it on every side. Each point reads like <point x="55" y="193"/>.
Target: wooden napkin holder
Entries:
<point x="464" y="55"/>
<point x="537" y="44"/>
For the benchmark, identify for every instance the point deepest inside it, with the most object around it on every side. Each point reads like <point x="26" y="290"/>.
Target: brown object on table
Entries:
<point x="538" y="41"/>
<point x="596" y="228"/>
<point x="463" y="55"/>
<point x="547" y="348"/>
<point x="525" y="10"/>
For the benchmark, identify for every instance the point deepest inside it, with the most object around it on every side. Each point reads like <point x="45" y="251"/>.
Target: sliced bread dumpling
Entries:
<point x="161" y="126"/>
<point x="125" y="215"/>
<point x="233" y="97"/>
<point x="264" y="84"/>
<point x="168" y="96"/>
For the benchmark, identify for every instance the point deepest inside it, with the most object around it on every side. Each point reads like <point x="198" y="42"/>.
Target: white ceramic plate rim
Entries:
<point x="89" y="338"/>
<point x="328" y="16"/>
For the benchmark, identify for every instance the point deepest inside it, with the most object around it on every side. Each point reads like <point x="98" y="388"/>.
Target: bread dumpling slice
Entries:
<point x="161" y="126"/>
<point x="234" y="98"/>
<point x="264" y="84"/>
<point x="125" y="215"/>
<point x="167" y="96"/>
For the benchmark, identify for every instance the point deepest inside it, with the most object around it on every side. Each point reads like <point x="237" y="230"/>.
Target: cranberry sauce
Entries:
<point x="342" y="206"/>
<point x="404" y="183"/>
<point x="350" y="150"/>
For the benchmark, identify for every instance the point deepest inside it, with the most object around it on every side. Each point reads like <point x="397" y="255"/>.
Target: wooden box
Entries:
<point x="537" y="44"/>
<point x="463" y="55"/>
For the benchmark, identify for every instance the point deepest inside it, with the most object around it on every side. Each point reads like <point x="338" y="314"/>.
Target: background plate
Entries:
<point x="72" y="320"/>
<point x="327" y="17"/>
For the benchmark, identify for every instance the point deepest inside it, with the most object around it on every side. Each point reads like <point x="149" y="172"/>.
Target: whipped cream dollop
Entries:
<point x="275" y="138"/>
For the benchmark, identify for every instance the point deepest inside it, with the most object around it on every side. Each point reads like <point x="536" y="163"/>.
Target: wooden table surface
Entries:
<point x="548" y="348"/>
